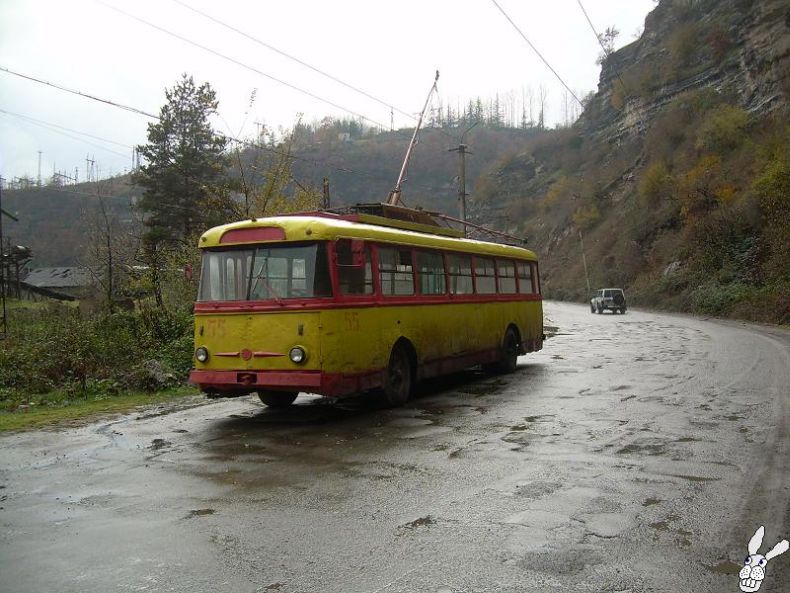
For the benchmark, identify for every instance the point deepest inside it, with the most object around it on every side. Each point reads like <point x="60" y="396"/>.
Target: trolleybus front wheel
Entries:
<point x="399" y="377"/>
<point x="277" y="399"/>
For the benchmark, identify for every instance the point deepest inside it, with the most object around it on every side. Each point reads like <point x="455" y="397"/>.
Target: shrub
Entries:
<point x="716" y="299"/>
<point x="773" y="190"/>
<point x="682" y="44"/>
<point x="58" y="350"/>
<point x="655" y="183"/>
<point x="586" y="216"/>
<point x="722" y="129"/>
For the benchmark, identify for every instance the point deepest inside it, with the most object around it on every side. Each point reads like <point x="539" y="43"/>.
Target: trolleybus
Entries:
<point x="337" y="304"/>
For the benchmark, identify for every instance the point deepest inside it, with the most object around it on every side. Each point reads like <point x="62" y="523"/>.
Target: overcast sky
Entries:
<point x="390" y="49"/>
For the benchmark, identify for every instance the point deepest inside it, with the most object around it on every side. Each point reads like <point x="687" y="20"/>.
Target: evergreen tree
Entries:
<point x="183" y="175"/>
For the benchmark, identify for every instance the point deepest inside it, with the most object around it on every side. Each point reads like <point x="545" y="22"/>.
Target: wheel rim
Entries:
<point x="398" y="383"/>
<point x="510" y="360"/>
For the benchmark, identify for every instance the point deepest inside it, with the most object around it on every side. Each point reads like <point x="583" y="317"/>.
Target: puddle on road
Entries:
<point x="694" y="478"/>
<point x="158" y="444"/>
<point x="200" y="513"/>
<point x="537" y="489"/>
<point x="421" y="522"/>
<point x="481" y="390"/>
<point x="539" y="418"/>
<point x="725" y="567"/>
<point x="650" y="449"/>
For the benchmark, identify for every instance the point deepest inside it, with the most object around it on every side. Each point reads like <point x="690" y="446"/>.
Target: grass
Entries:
<point x="84" y="409"/>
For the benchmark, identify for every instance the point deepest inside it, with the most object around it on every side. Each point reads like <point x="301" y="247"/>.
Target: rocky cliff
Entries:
<point x="674" y="182"/>
<point x="735" y="47"/>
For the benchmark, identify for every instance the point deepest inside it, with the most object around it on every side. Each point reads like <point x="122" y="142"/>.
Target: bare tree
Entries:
<point x="543" y="94"/>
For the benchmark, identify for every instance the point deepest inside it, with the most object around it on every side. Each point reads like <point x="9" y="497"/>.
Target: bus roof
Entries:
<point x="328" y="228"/>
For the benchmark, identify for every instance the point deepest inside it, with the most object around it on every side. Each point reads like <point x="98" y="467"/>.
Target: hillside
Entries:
<point x="676" y="178"/>
<point x="57" y="222"/>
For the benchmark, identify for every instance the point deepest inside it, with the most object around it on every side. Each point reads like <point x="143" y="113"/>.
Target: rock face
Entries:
<point x="736" y="47"/>
<point x="663" y="185"/>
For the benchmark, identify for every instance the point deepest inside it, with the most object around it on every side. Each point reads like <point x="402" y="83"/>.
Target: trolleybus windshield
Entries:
<point x="270" y="272"/>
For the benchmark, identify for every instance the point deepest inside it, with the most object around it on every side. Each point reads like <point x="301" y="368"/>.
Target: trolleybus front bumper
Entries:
<point x="230" y="383"/>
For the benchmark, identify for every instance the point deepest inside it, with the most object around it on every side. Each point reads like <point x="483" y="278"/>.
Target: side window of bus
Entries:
<point x="484" y="275"/>
<point x="535" y="278"/>
<point x="396" y="271"/>
<point x="354" y="271"/>
<point x="507" y="276"/>
<point x="524" y="277"/>
<point x="318" y="282"/>
<point x="431" y="269"/>
<point x="460" y="269"/>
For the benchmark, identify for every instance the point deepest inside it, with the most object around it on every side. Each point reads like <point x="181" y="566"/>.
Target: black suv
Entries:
<point x="611" y="299"/>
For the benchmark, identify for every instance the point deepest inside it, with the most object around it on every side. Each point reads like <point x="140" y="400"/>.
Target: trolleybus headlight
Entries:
<point x="201" y="354"/>
<point x="297" y="355"/>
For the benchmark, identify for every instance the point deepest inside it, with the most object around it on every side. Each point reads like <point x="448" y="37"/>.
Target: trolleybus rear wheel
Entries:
<point x="509" y="352"/>
<point x="399" y="377"/>
<point x="277" y="399"/>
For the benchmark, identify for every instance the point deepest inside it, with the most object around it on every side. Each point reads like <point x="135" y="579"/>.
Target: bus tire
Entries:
<point x="277" y="399"/>
<point x="399" y="376"/>
<point x="509" y="360"/>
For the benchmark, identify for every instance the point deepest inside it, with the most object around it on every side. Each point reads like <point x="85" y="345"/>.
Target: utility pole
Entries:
<point x="584" y="262"/>
<point x="2" y="264"/>
<point x="327" y="199"/>
<point x="462" y="152"/>
<point x="89" y="163"/>
<point x="39" y="168"/>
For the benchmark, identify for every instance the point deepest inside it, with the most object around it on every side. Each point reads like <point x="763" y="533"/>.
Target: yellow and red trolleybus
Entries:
<point x="338" y="304"/>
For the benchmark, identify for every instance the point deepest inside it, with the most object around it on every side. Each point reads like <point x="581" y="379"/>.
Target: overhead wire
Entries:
<point x="80" y="93"/>
<point x="240" y="63"/>
<point x="294" y="59"/>
<point x="141" y="112"/>
<point x="58" y="129"/>
<point x="537" y="52"/>
<point x="605" y="49"/>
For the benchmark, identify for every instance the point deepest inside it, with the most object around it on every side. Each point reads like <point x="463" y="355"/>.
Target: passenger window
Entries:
<point x="431" y="268"/>
<point x="484" y="276"/>
<point x="535" y="278"/>
<point x="395" y="271"/>
<point x="354" y="271"/>
<point x="460" y="270"/>
<point x="524" y="277"/>
<point x="507" y="276"/>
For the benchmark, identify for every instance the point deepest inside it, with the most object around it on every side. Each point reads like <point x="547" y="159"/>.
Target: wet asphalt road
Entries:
<point x="634" y="453"/>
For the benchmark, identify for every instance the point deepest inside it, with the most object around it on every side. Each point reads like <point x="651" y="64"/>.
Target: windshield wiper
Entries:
<point x="262" y="276"/>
